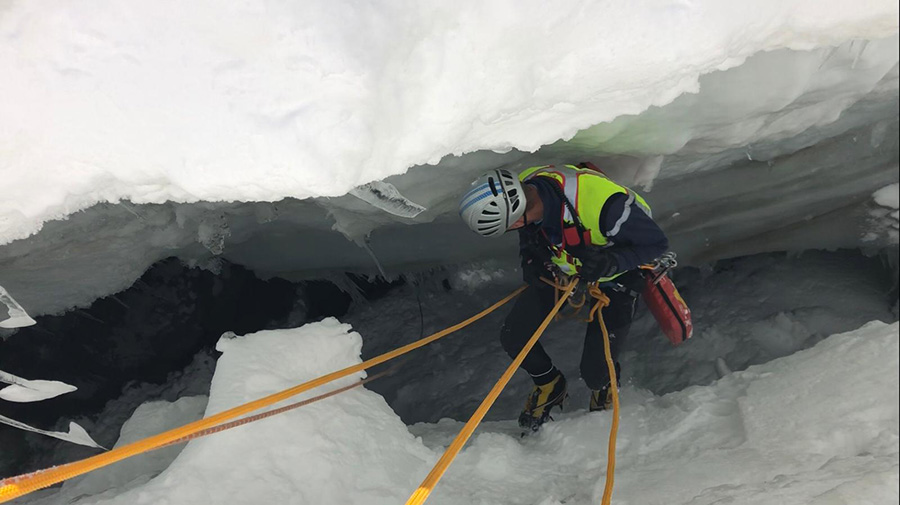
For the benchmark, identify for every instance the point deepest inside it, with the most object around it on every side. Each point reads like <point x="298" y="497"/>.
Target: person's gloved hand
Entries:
<point x="533" y="269"/>
<point x="597" y="263"/>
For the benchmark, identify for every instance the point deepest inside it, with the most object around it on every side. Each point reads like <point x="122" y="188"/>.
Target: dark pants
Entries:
<point x="532" y="307"/>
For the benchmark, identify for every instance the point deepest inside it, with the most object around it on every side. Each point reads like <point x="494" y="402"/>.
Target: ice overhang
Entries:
<point x="783" y="152"/>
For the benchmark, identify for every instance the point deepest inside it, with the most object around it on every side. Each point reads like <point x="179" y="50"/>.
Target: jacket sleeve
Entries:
<point x="634" y="237"/>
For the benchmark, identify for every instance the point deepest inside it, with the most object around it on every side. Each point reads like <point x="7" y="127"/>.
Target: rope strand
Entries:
<point x="421" y="494"/>
<point x="17" y="486"/>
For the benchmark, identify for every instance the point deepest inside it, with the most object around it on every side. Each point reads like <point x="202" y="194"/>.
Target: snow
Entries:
<point x="149" y="419"/>
<point x="763" y="126"/>
<point x="818" y="426"/>
<point x="885" y="218"/>
<point x="107" y="427"/>
<point x="305" y="141"/>
<point x="241" y="101"/>
<point x="888" y="196"/>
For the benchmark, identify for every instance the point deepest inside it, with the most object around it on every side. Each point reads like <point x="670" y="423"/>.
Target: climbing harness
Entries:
<point x="561" y="284"/>
<point x="660" y="266"/>
<point x="17" y="486"/>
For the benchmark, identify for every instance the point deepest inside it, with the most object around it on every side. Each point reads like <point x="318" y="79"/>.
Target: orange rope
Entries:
<point x="560" y="284"/>
<point x="20" y="485"/>
<point x="596" y="311"/>
<point x="421" y="494"/>
<point x="249" y="419"/>
<point x="614" y="388"/>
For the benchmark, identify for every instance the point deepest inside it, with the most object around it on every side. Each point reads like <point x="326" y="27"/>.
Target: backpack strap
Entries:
<point x="572" y="235"/>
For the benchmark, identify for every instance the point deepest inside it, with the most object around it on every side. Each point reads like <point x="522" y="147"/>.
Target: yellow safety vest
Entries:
<point x="587" y="190"/>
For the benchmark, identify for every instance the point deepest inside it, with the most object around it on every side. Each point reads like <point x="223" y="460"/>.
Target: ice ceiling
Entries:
<point x="750" y="127"/>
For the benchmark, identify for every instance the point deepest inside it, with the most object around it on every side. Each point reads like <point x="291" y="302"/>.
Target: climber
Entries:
<point x="572" y="221"/>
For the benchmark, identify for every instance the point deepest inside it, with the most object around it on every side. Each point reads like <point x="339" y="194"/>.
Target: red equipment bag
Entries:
<point x="668" y="307"/>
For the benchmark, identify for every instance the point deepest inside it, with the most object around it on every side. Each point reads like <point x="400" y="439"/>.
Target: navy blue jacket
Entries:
<point x="638" y="241"/>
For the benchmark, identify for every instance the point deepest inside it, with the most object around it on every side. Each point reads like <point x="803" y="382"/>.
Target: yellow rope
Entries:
<point x="603" y="301"/>
<point x="249" y="419"/>
<point x="596" y="311"/>
<point x="421" y="494"/>
<point x="560" y="285"/>
<point x="15" y="487"/>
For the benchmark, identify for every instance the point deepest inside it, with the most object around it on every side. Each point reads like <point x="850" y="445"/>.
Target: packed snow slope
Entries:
<point x="233" y="128"/>
<point x="817" y="427"/>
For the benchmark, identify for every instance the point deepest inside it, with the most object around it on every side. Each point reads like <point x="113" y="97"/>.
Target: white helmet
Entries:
<point x="494" y="203"/>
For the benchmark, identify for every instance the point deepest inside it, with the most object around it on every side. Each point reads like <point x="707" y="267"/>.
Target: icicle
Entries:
<point x="23" y="390"/>
<point x="722" y="367"/>
<point x="18" y="318"/>
<point x="75" y="435"/>
<point x="369" y="250"/>
<point x="859" y="53"/>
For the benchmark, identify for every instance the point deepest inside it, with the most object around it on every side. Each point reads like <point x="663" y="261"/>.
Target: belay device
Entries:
<point x="664" y="301"/>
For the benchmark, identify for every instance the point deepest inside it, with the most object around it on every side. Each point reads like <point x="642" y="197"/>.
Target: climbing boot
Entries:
<point x="539" y="403"/>
<point x="601" y="399"/>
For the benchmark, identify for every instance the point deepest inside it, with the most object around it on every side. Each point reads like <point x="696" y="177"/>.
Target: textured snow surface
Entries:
<point x="819" y="426"/>
<point x="256" y="101"/>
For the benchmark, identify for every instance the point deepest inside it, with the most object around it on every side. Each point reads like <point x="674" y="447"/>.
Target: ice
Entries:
<point x="386" y="197"/>
<point x="211" y="233"/>
<point x="75" y="435"/>
<point x="18" y="318"/>
<point x="24" y="390"/>
<point x="760" y="139"/>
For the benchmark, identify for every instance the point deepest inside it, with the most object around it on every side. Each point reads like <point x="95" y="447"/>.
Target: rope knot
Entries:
<point x="561" y="285"/>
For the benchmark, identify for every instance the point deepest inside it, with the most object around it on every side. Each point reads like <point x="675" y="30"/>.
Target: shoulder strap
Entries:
<point x="582" y="235"/>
